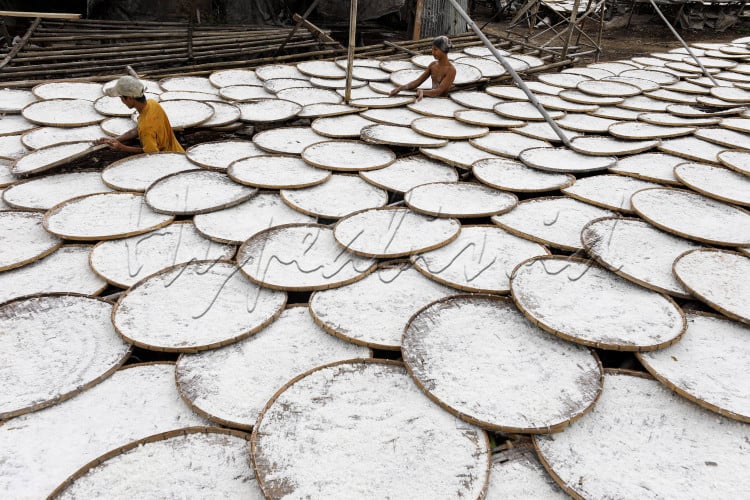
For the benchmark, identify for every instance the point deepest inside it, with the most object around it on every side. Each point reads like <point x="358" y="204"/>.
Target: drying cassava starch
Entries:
<point x="511" y="175"/>
<point x="41" y="449"/>
<point x="103" y="216"/>
<point x="50" y="157"/>
<point x="656" y="167"/>
<point x="347" y="156"/>
<point x="692" y="148"/>
<point x="11" y="147"/>
<point x="642" y="130"/>
<point x="225" y="114"/>
<point x="524" y="111"/>
<point x="649" y="432"/>
<point x="322" y="110"/>
<point x="693" y="216"/>
<point x="236" y="224"/>
<point x="14" y="100"/>
<point x="436" y="107"/>
<point x="718" y="278"/>
<point x="578" y="97"/>
<point x="14" y="124"/>
<point x="715" y="182"/>
<point x="486" y="119"/>
<point x="554" y="221"/>
<point x="54" y="347"/>
<point x="393" y="232"/>
<point x="739" y="161"/>
<point x="300" y="257"/>
<point x="341" y="127"/>
<point x="184" y="113"/>
<point x="231" y="385"/>
<point x="475" y="99"/>
<point x="337" y="197"/>
<point x="271" y="71"/>
<point x="507" y="144"/>
<point x="126" y="261"/>
<point x="66" y="270"/>
<point x="188" y="462"/>
<point x="117" y="126"/>
<point x="219" y="155"/>
<point x="584" y="303"/>
<point x="410" y="171"/>
<point x="137" y="173"/>
<point x="335" y="83"/>
<point x="637" y="251"/>
<point x="43" y="137"/>
<point x="723" y="137"/>
<point x="276" y="172"/>
<point x="458" y="154"/>
<point x="557" y="103"/>
<point x="702" y="366"/>
<point x="196" y="191"/>
<point x="349" y="312"/>
<point x="391" y="116"/>
<point x="459" y="199"/>
<point x="305" y="96"/>
<point x="517" y="473"/>
<point x="543" y="131"/>
<point x="608" y="191"/>
<point x="564" y="160"/>
<point x="244" y="93"/>
<point x="377" y="432"/>
<point x="381" y="102"/>
<point x="62" y="113"/>
<point x="228" y="77"/>
<point x="24" y="239"/>
<point x="42" y="193"/>
<point x="268" y="110"/>
<point x="447" y="128"/>
<point x="480" y="359"/>
<point x="287" y="140"/>
<point x="395" y="135"/>
<point x="481" y="259"/>
<point x="609" y="146"/>
<point x="188" y="84"/>
<point x="194" y="306"/>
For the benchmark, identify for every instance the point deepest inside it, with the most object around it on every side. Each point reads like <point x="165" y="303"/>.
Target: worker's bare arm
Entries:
<point x="414" y="83"/>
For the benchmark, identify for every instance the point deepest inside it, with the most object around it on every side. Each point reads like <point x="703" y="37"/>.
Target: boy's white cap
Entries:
<point x="127" y="86"/>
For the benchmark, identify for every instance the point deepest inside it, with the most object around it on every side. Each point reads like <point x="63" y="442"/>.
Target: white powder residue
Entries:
<point x="375" y="310"/>
<point x="394" y="232"/>
<point x="718" y="278"/>
<point x="507" y="144"/>
<point x="702" y="363"/>
<point x="585" y="123"/>
<point x="52" y="346"/>
<point x="300" y="257"/>
<point x="321" y="69"/>
<point x="544" y="132"/>
<point x="233" y="383"/>
<point x="723" y="137"/>
<point x="458" y="153"/>
<point x="481" y="259"/>
<point x="481" y="357"/>
<point x="378" y="433"/>
<point x="224" y="114"/>
<point x="236" y="224"/>
<point x="220" y="154"/>
<point x="64" y="90"/>
<point x="62" y="113"/>
<point x="188" y="84"/>
<point x="184" y="466"/>
<point x="113" y="106"/>
<point x="227" y="77"/>
<point x="117" y="126"/>
<point x="643" y="130"/>
<point x="184" y="113"/>
<point x="436" y="106"/>
<point x="126" y="261"/>
<point x="657" y="167"/>
<point x="408" y="172"/>
<point x="268" y="110"/>
<point x="605" y="145"/>
<point x="692" y="148"/>
<point x="103" y="216"/>
<point x="609" y="191"/>
<point x="736" y="160"/>
<point x="138" y="172"/>
<point x="594" y="306"/>
<point x="3" y="205"/>
<point x="476" y="99"/>
<point x="615" y="113"/>
<point x="277" y="84"/>
<point x="276" y="172"/>
<point x="341" y="126"/>
<point x="40" y="450"/>
<point x="398" y="136"/>
<point x="337" y="197"/>
<point x="41" y="159"/>
<point x="196" y="191"/>
<point x="14" y="100"/>
<point x="520" y="476"/>
<point x="6" y="178"/>
<point x="11" y="147"/>
<point x="640" y="442"/>
<point x="242" y="93"/>
<point x="316" y="110"/>
<point x="23" y="238"/>
<point x="303" y="96"/>
<point x="271" y="71"/>
<point x="14" y="124"/>
<point x="716" y="182"/>
<point x="522" y="110"/>
<point x="637" y="251"/>
<point x="42" y="193"/>
<point x="404" y="76"/>
<point x="50" y="136"/>
<point x="448" y="128"/>
<point x="564" y="160"/>
<point x="195" y="305"/>
<point x="459" y="199"/>
<point x="348" y="155"/>
<point x="391" y="116"/>
<point x="512" y="175"/>
<point x="555" y="221"/>
<point x="644" y="103"/>
<point x="287" y="140"/>
<point x="66" y="270"/>
<point x="694" y="216"/>
<point x="382" y="102"/>
<point x="486" y="118"/>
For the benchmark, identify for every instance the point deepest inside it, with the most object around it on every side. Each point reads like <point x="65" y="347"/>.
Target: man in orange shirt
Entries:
<point x="153" y="129"/>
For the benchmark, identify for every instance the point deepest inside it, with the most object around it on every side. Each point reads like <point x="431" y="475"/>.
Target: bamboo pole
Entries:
<point x="571" y="28"/>
<point x="47" y="15"/>
<point x="17" y="48"/>
<point x="417" y="33"/>
<point x="350" y="51"/>
<point x="309" y="11"/>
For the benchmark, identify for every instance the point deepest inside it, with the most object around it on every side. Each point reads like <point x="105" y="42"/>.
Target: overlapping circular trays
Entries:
<point x="371" y="297"/>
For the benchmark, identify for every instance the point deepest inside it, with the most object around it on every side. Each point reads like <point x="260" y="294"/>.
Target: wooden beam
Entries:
<point x="418" y="20"/>
<point x="44" y="15"/>
<point x="350" y="52"/>
<point x="17" y="47"/>
<point x="317" y="32"/>
<point x="299" y="20"/>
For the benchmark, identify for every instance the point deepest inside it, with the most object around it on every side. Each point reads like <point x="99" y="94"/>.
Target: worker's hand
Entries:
<point x="420" y="95"/>
<point x="112" y="143"/>
<point x="395" y="91"/>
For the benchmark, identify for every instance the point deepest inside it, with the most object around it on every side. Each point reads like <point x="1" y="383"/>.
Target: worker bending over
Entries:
<point x="441" y="71"/>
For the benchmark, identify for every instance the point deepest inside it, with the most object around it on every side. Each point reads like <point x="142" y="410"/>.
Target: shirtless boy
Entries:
<point x="441" y="71"/>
